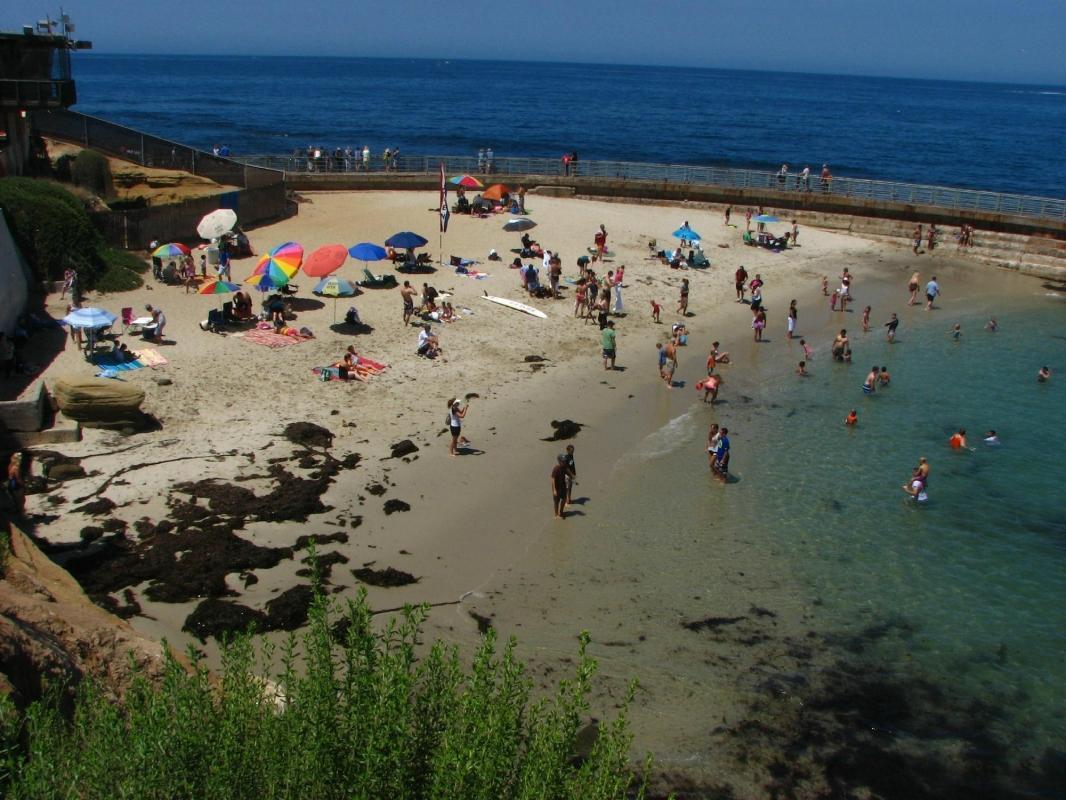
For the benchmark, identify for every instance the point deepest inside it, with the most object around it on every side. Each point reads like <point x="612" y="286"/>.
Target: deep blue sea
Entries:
<point x="1002" y="137"/>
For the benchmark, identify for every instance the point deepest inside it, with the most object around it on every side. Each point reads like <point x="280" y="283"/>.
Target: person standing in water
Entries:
<point x="932" y="291"/>
<point x="866" y="319"/>
<point x="869" y="386"/>
<point x="891" y="325"/>
<point x="912" y="287"/>
<point x="992" y="326"/>
<point x="713" y="435"/>
<point x="1043" y="375"/>
<point x="956" y="331"/>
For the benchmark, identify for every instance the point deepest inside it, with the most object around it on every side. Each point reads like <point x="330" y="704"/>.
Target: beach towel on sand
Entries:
<point x="151" y="358"/>
<point x="468" y="272"/>
<point x="271" y="339"/>
<point x="111" y="364"/>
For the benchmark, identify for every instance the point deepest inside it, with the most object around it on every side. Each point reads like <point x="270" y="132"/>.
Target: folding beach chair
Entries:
<point x="127" y="318"/>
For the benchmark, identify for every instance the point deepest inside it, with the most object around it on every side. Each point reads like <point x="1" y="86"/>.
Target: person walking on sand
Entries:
<point x="617" y="283"/>
<point x="558" y="479"/>
<point x="600" y="240"/>
<point x="932" y="292"/>
<point x="728" y="213"/>
<point x="792" y="316"/>
<point x="407" y="292"/>
<point x="758" y="323"/>
<point x="456" y="414"/>
<point x="795" y="233"/>
<point x="608" y="340"/>
<point x="741" y="278"/>
<point x="912" y="287"/>
<point x="682" y="302"/>
<point x="916" y="240"/>
<point x="571" y="474"/>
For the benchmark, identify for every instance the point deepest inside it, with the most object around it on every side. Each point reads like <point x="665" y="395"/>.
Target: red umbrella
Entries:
<point x="325" y="260"/>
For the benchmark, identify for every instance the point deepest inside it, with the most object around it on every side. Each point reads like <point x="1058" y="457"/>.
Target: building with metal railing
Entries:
<point x="34" y="75"/>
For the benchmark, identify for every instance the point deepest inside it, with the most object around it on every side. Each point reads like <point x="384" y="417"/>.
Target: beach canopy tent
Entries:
<point x="406" y="240"/>
<point x="218" y="222"/>
<point x="325" y="260"/>
<point x="519" y="224"/>
<point x="495" y="192"/>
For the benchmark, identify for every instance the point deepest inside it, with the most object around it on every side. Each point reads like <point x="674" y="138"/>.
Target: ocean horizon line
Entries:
<point x="186" y="56"/>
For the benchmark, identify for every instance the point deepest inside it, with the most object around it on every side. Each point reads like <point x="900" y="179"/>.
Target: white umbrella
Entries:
<point x="89" y="318"/>
<point x="217" y="223"/>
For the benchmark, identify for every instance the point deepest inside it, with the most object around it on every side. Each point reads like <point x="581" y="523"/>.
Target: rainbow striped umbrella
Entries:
<point x="218" y="287"/>
<point x="172" y="250"/>
<point x="287" y="257"/>
<point x="466" y="181"/>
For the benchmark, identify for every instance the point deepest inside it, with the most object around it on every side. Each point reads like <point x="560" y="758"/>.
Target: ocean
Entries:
<point x="1000" y="137"/>
<point x="810" y="606"/>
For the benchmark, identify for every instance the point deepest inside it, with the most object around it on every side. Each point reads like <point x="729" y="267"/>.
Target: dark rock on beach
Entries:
<point x="534" y="359"/>
<point x="403" y="448"/>
<point x="65" y="472"/>
<point x="96" y="508"/>
<point x="388" y="577"/>
<point x="564" y="429"/>
<point x="376" y="489"/>
<point x="711" y="623"/>
<point x="288" y="611"/>
<point x="307" y="434"/>
<point x="394" y="505"/>
<point x="325" y="564"/>
<point x="337" y="537"/>
<point x="216" y="618"/>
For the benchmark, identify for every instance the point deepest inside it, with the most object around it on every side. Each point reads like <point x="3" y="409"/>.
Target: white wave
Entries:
<point x="675" y="435"/>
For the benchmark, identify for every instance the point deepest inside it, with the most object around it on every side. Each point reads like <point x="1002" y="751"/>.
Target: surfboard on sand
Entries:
<point x="503" y="301"/>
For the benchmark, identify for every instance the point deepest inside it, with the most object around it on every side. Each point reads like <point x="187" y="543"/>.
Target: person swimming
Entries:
<point x="991" y="439"/>
<point x="958" y="440"/>
<point x="1043" y="375"/>
<point x="852" y="418"/>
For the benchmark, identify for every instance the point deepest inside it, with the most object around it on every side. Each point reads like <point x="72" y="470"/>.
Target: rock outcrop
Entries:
<point x="51" y="633"/>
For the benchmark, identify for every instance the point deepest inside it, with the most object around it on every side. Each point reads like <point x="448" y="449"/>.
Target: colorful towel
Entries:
<point x="110" y="363"/>
<point x="466" y="272"/>
<point x="151" y="358"/>
<point x="271" y="339"/>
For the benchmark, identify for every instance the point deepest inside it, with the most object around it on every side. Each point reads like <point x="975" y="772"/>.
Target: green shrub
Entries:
<point x="51" y="228"/>
<point x="114" y="257"/>
<point x="363" y="718"/>
<point x="92" y="171"/>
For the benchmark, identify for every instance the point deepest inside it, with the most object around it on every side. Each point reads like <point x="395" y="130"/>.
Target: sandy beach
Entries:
<point x="476" y="522"/>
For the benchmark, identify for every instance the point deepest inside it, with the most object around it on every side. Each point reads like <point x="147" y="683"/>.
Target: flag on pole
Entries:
<point x="445" y="212"/>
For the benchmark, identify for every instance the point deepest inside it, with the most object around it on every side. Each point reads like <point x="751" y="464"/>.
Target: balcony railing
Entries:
<point x="31" y="95"/>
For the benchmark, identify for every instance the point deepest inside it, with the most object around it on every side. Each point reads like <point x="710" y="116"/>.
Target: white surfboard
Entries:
<point x="503" y="301"/>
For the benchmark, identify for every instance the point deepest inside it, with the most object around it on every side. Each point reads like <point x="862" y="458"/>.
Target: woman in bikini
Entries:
<point x="912" y="287"/>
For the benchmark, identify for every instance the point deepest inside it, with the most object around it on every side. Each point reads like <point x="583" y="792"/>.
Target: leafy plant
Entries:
<point x="362" y="717"/>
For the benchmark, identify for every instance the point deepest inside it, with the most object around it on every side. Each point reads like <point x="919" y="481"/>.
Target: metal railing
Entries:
<point x="855" y="188"/>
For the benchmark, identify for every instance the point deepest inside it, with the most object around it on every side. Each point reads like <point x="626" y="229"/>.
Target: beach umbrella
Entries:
<point x="519" y="224"/>
<point x="217" y="223"/>
<point x="325" y="260"/>
<point x="466" y="181"/>
<point x="495" y="192"/>
<point x="766" y="218"/>
<point x="218" y="287"/>
<point x="406" y="240"/>
<point x="367" y="251"/>
<point x="172" y="250"/>
<point x="268" y="281"/>
<point x="334" y="287"/>
<point x="287" y="257"/>
<point x="687" y="233"/>
<point x="89" y="318"/>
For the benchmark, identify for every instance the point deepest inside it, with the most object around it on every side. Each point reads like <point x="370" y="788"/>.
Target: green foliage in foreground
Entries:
<point x="362" y="717"/>
<point x="51" y="228"/>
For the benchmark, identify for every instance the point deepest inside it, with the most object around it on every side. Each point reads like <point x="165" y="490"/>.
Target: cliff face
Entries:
<point x="51" y="633"/>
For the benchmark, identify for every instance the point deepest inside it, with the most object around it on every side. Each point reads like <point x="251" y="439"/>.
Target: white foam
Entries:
<point x="671" y="437"/>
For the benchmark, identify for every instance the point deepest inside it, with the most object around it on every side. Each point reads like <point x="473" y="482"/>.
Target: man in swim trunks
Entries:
<point x="869" y="386"/>
<point x="840" y="345"/>
<point x="608" y="340"/>
<point x="721" y="457"/>
<point x="558" y="479"/>
<point x="932" y="291"/>
<point x="408" y="295"/>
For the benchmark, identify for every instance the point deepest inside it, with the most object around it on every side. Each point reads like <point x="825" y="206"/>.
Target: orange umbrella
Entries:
<point x="325" y="260"/>
<point x="495" y="192"/>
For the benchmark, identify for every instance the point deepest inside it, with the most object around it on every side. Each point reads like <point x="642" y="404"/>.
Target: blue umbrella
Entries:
<point x="366" y="251"/>
<point x="406" y="240"/>
<point x="89" y="318"/>
<point x="766" y="218"/>
<point x="687" y="233"/>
